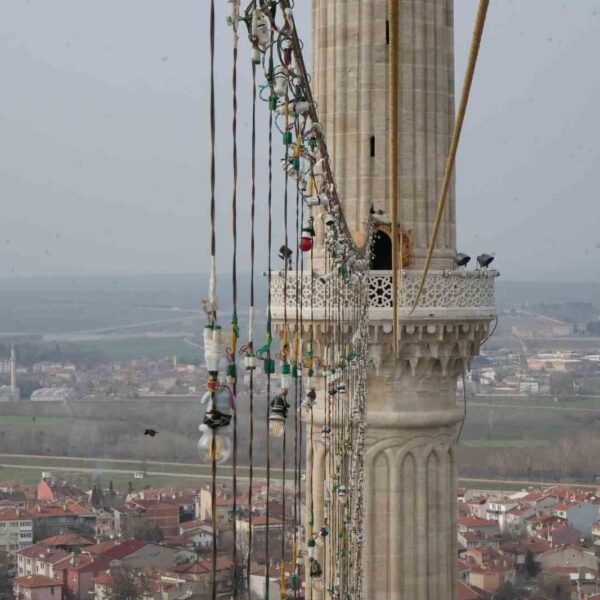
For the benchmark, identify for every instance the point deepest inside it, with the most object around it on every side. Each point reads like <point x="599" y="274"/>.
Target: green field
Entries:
<point x="29" y="423"/>
<point x="86" y="480"/>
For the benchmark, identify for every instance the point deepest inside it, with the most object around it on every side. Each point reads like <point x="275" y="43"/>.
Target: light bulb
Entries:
<point x="276" y="428"/>
<point x="286" y="380"/>
<point x="305" y="411"/>
<point x="220" y="448"/>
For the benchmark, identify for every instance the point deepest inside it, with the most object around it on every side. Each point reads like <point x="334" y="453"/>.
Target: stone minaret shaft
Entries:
<point x="13" y="370"/>
<point x="412" y="412"/>
<point x="351" y="74"/>
<point x="409" y="546"/>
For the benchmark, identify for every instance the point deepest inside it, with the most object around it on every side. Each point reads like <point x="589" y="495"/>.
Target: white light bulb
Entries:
<point x="212" y="443"/>
<point x="276" y="428"/>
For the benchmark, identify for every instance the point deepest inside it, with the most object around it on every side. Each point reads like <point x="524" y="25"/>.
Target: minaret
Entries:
<point x="412" y="407"/>
<point x="13" y="374"/>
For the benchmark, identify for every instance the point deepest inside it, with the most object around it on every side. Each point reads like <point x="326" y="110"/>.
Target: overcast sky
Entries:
<point x="104" y="137"/>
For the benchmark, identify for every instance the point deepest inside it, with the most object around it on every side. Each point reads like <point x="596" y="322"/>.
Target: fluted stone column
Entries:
<point x="351" y="62"/>
<point x="412" y="411"/>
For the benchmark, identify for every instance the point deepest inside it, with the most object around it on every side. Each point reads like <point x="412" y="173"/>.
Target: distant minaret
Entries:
<point x="13" y="374"/>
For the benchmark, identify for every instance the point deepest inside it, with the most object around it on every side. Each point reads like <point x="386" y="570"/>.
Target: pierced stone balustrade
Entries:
<point x="447" y="295"/>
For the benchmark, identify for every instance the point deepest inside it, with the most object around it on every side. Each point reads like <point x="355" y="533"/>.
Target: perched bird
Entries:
<point x="150" y="432"/>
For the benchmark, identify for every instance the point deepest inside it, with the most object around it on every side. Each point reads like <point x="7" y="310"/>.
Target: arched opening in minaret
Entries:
<point x="381" y="257"/>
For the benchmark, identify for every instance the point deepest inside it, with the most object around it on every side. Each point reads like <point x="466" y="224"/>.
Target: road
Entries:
<point x="224" y="472"/>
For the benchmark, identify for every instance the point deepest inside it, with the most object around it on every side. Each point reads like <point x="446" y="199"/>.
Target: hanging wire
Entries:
<point x="234" y="319"/>
<point x="250" y="347"/>
<point x="460" y="117"/>
<point x="212" y="290"/>
<point x="269" y="315"/>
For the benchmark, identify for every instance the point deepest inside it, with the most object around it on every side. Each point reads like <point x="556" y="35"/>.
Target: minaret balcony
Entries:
<point x="447" y="295"/>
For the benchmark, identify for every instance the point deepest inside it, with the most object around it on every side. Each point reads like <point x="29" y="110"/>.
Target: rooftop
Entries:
<point x="35" y="581"/>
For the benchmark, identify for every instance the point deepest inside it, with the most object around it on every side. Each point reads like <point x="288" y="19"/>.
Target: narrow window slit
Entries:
<point x="387" y="33"/>
<point x="372" y="145"/>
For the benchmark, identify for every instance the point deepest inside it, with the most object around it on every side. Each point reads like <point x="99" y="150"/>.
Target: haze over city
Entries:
<point x="104" y="128"/>
<point x="396" y="396"/>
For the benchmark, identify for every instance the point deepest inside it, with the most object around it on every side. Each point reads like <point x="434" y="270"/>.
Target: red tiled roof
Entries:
<point x="104" y="579"/>
<point x="36" y="581"/>
<point x="464" y="592"/>
<point x="83" y="563"/>
<point x="463" y="565"/>
<point x="192" y="567"/>
<point x="67" y="539"/>
<point x="54" y="510"/>
<point x="543" y="518"/>
<point x="476" y="522"/>
<point x="124" y="549"/>
<point x="491" y="568"/>
<point x="196" y="523"/>
<point x="262" y="520"/>
<point x="47" y="555"/>
<point x="564" y="506"/>
<point x="99" y="549"/>
<point x="32" y="551"/>
<point x="10" y="513"/>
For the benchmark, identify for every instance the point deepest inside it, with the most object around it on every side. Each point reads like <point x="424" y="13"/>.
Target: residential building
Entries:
<point x="138" y="554"/>
<point x="529" y="386"/>
<point x="596" y="536"/>
<point x="36" y="587"/>
<point x="486" y="527"/>
<point x="497" y="509"/>
<point x="580" y="515"/>
<point x="54" y="519"/>
<point x="50" y="489"/>
<point x="515" y="553"/>
<point x="224" y="507"/>
<point x="39" y="560"/>
<point x="259" y="534"/>
<point x="515" y="519"/>
<point x="542" y="524"/>
<point x="572" y="556"/>
<point x="158" y="514"/>
<point x="69" y="542"/>
<point x="16" y="529"/>
<point x="78" y="571"/>
<point x="490" y="578"/>
<point x="201" y="573"/>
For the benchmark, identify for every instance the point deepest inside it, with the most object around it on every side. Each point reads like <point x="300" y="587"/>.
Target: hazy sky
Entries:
<point x="104" y="137"/>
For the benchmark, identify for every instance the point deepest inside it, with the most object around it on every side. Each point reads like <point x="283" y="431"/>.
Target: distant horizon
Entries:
<point x="226" y="276"/>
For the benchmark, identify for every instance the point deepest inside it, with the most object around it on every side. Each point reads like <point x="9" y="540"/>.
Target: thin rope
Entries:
<point x="393" y="101"/>
<point x="460" y="117"/>
<point x="269" y="243"/>
<point x="212" y="290"/>
<point x="234" y="318"/>
<point x="251" y="324"/>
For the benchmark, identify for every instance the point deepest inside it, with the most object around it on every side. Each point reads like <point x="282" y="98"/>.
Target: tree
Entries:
<point x="96" y="498"/>
<point x="557" y="588"/>
<point x="142" y="530"/>
<point x="531" y="567"/>
<point x="127" y="585"/>
<point x="506" y="592"/>
<point x="6" y="588"/>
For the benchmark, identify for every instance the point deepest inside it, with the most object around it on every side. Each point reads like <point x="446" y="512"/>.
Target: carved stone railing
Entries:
<point x="456" y="294"/>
